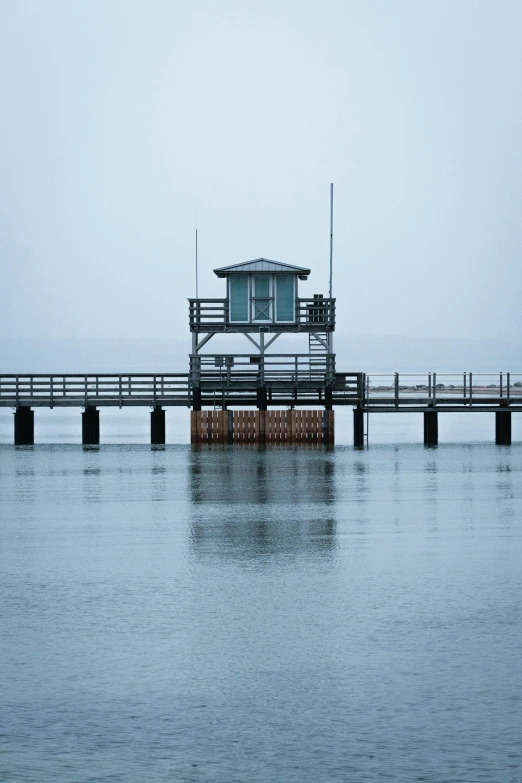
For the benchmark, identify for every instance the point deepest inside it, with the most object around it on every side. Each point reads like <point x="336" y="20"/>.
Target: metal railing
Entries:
<point x="432" y="389"/>
<point x="214" y="315"/>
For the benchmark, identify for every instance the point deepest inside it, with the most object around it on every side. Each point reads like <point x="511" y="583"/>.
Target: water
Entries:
<point x="244" y="615"/>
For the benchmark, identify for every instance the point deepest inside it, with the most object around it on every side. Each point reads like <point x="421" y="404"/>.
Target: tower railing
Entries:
<point x="213" y="315"/>
<point x="261" y="369"/>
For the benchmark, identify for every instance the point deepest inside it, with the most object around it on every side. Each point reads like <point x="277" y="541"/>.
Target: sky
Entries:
<point x="125" y="124"/>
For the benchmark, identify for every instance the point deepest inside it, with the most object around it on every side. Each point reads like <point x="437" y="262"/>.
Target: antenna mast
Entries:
<point x="196" y="263"/>
<point x="331" y="236"/>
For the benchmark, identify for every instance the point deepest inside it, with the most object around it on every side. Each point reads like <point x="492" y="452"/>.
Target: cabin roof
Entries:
<point x="262" y="265"/>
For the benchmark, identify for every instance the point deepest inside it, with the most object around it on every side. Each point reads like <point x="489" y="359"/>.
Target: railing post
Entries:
<point x="434" y="388"/>
<point x="465" y="374"/>
<point x="396" y="389"/>
<point x="85" y="392"/>
<point x="52" y="389"/>
<point x="507" y="387"/>
<point x="500" y="385"/>
<point x="17" y="389"/>
<point x="429" y="385"/>
<point x="120" y="387"/>
<point x="471" y="388"/>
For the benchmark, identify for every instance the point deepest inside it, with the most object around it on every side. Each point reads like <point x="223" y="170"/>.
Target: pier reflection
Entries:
<point x="247" y="503"/>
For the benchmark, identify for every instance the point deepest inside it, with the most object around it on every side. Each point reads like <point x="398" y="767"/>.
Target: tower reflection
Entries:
<point x="247" y="503"/>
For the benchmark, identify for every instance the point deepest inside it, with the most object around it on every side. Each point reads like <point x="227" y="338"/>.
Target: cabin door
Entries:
<point x="262" y="298"/>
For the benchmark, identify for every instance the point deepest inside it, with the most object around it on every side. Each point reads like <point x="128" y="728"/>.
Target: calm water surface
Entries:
<point x="278" y="615"/>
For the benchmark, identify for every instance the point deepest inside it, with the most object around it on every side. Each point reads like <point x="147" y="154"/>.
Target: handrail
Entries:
<point x="215" y="312"/>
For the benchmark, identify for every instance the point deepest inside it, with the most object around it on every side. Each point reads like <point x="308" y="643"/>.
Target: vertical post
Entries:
<point x="328" y="398"/>
<point x="331" y="237"/>
<point x="327" y="427"/>
<point x="24" y="427"/>
<point x="500" y="384"/>
<point x="431" y="428"/>
<point x="196" y="398"/>
<point x="471" y="388"/>
<point x="230" y="415"/>
<point x="157" y="426"/>
<point x="464" y="385"/>
<point x="358" y="427"/>
<point x="396" y="389"/>
<point x="262" y="403"/>
<point x="91" y="427"/>
<point x="262" y="357"/>
<point x="503" y="428"/>
<point x="434" y="388"/>
<point x="261" y="434"/>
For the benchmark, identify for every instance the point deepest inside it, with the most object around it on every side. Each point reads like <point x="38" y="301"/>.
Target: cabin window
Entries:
<point x="285" y="298"/>
<point x="261" y="301"/>
<point x="239" y="297"/>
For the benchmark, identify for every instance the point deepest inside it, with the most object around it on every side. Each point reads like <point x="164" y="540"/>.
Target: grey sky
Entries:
<point x="120" y="119"/>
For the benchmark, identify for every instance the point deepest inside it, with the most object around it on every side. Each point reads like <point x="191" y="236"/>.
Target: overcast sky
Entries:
<point x="121" y="120"/>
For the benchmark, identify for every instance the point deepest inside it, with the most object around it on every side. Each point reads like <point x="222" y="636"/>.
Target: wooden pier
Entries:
<point x="284" y="395"/>
<point x="293" y="395"/>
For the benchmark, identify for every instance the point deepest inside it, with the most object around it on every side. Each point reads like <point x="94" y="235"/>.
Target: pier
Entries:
<point x="236" y="387"/>
<point x="261" y="396"/>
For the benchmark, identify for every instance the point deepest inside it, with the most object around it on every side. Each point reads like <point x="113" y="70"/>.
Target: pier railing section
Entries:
<point x="458" y="391"/>
<point x="289" y="380"/>
<point x="227" y="369"/>
<point x="212" y="315"/>
<point x="96" y="389"/>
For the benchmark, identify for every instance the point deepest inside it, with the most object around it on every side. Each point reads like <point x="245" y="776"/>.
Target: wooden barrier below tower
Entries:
<point x="290" y="427"/>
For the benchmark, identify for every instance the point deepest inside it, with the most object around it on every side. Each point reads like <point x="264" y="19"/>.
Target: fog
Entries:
<point x="124" y="123"/>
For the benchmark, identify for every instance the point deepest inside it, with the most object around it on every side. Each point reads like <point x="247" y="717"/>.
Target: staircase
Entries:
<point x="317" y="348"/>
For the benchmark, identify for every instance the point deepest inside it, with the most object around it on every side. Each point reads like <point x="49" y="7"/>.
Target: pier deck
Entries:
<point x="238" y="388"/>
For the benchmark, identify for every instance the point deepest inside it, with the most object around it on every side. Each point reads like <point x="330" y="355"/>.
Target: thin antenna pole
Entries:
<point x="331" y="236"/>
<point x="197" y="297"/>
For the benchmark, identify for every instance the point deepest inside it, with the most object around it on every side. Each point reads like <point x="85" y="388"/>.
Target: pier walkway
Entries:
<point x="233" y="384"/>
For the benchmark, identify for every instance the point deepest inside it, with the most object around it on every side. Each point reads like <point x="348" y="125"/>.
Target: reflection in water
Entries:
<point x="273" y="501"/>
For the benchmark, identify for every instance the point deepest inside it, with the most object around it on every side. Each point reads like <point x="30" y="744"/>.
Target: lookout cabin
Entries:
<point x="262" y="294"/>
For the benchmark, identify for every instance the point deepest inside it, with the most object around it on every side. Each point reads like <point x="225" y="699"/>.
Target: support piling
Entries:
<point x="358" y="428"/>
<point x="91" y="427"/>
<point x="157" y="426"/>
<point x="24" y="426"/>
<point x="431" y="428"/>
<point x="503" y="428"/>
